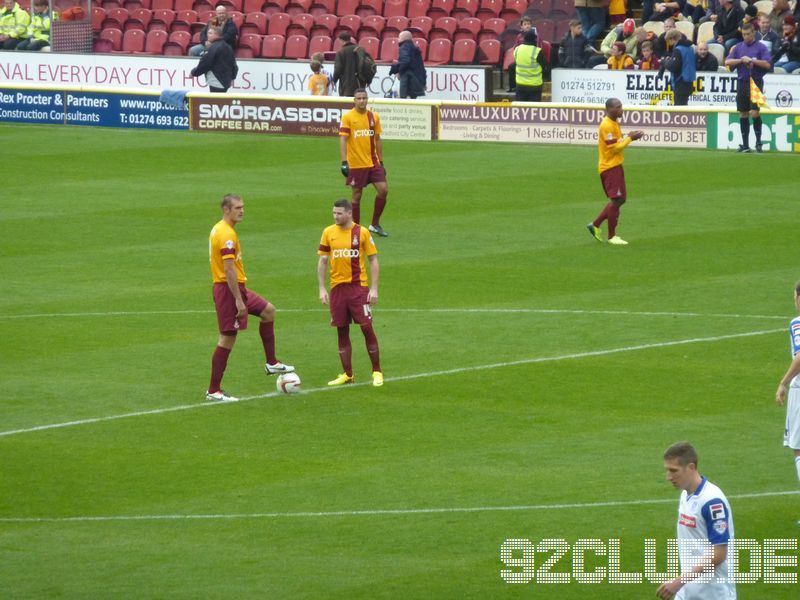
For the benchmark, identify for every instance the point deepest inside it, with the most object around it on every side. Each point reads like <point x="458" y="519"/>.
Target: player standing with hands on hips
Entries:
<point x="610" y="145"/>
<point x="361" y="152"/>
<point x="791" y="383"/>
<point x="343" y="246"/>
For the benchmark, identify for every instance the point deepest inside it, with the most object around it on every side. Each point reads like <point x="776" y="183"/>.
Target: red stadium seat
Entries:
<point x="422" y="44"/>
<point x="398" y="23"/>
<point x="324" y="25"/>
<point x="464" y="52"/>
<point x="508" y="59"/>
<point x="563" y="9"/>
<point x="120" y="15"/>
<point x="323" y="7"/>
<point x="232" y="5"/>
<point x="162" y="19"/>
<point x="237" y="18"/>
<point x="162" y="5"/>
<point x="546" y="29"/>
<point x="254" y="22"/>
<point x="347" y="7"/>
<point x="465" y="8"/>
<point x="114" y="36"/>
<point x="182" y="5"/>
<point x="369" y="7"/>
<point x="440" y="52"/>
<point x="562" y="28"/>
<point x="301" y="25"/>
<point x="133" y="4"/>
<point x="351" y="23"/>
<point x="395" y="8"/>
<point x="441" y="8"/>
<point x="278" y="24"/>
<point x="272" y="46"/>
<point x="133" y="40"/>
<point x="100" y="45"/>
<point x="489" y="52"/>
<point x="540" y="8"/>
<point x="444" y="27"/>
<point x="421" y="24"/>
<point x="489" y="9"/>
<point x="199" y="5"/>
<point x="371" y="45"/>
<point x="468" y="28"/>
<point x="274" y="6"/>
<point x="297" y="7"/>
<point x="108" y="4"/>
<point x="296" y="47"/>
<point x="372" y="25"/>
<point x="496" y="26"/>
<point x="418" y="8"/>
<point x="389" y="50"/>
<point x="547" y="50"/>
<point x="513" y="10"/>
<point x="251" y="41"/>
<point x="98" y="16"/>
<point x="252" y="6"/>
<point x="186" y="16"/>
<point x="133" y="24"/>
<point x="143" y="15"/>
<point x="245" y="52"/>
<point x="154" y="44"/>
<point x="178" y="43"/>
<point x="320" y="43"/>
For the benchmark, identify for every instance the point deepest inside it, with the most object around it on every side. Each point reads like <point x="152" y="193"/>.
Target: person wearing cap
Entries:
<point x="621" y="33"/>
<point x="681" y="65"/>
<point x="618" y="59"/>
<point x="726" y="27"/>
<point x="752" y="60"/>
<point x="592" y="14"/>
<point x="531" y="63"/>
<point x="787" y="54"/>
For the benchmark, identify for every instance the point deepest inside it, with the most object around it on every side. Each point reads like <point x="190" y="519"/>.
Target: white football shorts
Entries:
<point x="791" y="436"/>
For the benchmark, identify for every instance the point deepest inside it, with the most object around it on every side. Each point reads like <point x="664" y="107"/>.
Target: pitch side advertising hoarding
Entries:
<point x="85" y="107"/>
<point x="581" y="86"/>
<point x="400" y="120"/>
<point x="157" y="73"/>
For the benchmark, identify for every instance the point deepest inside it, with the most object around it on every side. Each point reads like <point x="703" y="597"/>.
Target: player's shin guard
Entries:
<point x="602" y="216"/>
<point x="744" y="127"/>
<point x="380" y="204"/>
<point x="356" y="212"/>
<point x="372" y="346"/>
<point x="613" y="219"/>
<point x="218" y="363"/>
<point x="757" y="130"/>
<point x="345" y="349"/>
<point x="267" y="331"/>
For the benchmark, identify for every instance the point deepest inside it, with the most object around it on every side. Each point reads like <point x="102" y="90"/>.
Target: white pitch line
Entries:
<point x="541" y="311"/>
<point x="498" y="365"/>
<point x="375" y="512"/>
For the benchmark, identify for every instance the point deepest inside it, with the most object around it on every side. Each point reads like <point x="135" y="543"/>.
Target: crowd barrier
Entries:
<point x="545" y="123"/>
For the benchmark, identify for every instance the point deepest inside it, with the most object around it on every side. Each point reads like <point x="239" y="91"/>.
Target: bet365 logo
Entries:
<point x="779" y="132"/>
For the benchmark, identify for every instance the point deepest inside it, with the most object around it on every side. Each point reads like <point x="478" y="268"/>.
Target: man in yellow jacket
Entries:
<point x="39" y="28"/>
<point x="13" y="24"/>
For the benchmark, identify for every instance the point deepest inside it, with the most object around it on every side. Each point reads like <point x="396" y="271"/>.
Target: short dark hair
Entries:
<point x="797" y="288"/>
<point x="683" y="452"/>
<point x="748" y="27"/>
<point x="315" y="66"/>
<point x="228" y="200"/>
<point x="574" y="23"/>
<point x="345" y="35"/>
<point x="361" y="91"/>
<point x="611" y="102"/>
<point x="343" y="203"/>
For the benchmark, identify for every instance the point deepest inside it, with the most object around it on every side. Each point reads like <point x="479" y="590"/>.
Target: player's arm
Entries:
<point x="794" y="370"/>
<point x="374" y="271"/>
<point x="322" y="269"/>
<point x="705" y="566"/>
<point x="233" y="286"/>
<point x="733" y="61"/>
<point x="345" y="168"/>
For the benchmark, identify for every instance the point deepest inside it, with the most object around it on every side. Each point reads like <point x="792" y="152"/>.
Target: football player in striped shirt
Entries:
<point x="791" y="384"/>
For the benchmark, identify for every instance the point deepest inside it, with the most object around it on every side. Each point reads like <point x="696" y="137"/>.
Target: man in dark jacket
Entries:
<point x="705" y="60"/>
<point x="221" y="19"/>
<point x="726" y="27"/>
<point x="787" y="54"/>
<point x="575" y="49"/>
<point x="218" y="64"/>
<point x="681" y="64"/>
<point x="345" y="69"/>
<point x="409" y="67"/>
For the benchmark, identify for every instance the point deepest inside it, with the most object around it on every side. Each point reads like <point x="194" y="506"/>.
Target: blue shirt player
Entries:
<point x="791" y="381"/>
<point x="705" y="526"/>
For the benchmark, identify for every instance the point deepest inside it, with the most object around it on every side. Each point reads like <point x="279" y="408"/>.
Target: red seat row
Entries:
<point x="508" y="10"/>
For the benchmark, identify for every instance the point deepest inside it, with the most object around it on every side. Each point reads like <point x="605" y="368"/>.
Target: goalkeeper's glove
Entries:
<point x="383" y="166"/>
<point x="345" y="168"/>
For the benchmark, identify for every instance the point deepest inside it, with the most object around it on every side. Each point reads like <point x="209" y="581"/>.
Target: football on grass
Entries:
<point x="288" y="383"/>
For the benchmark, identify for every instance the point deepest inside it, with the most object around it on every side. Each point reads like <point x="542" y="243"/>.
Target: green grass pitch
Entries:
<point x="527" y="365"/>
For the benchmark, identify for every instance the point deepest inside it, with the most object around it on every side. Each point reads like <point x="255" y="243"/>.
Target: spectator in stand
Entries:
<point x="661" y="42"/>
<point x="780" y="10"/>
<point x="681" y="64"/>
<point x="320" y="58"/>
<point x="531" y="64"/>
<point x="318" y="83"/>
<point x="649" y="60"/>
<point x="409" y="68"/>
<point x="694" y="10"/>
<point x="765" y="34"/>
<point x="39" y="29"/>
<point x="710" y="10"/>
<point x="592" y="15"/>
<point x="787" y="52"/>
<point x="574" y="50"/>
<point x="13" y="25"/>
<point x="618" y="59"/>
<point x="217" y="63"/>
<point x="726" y="26"/>
<point x="623" y="33"/>
<point x="667" y="10"/>
<point x="525" y="25"/>
<point x="705" y="61"/>
<point x="345" y="69"/>
<point x="617" y="11"/>
<point x="750" y="16"/>
<point x="222" y="19"/>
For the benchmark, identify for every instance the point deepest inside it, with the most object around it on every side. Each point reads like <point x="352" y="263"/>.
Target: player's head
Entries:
<point x="360" y="99"/>
<point x="673" y="37"/>
<point x="680" y="464"/>
<point x="315" y="66"/>
<point x="748" y="33"/>
<point x="319" y="57"/>
<point x="342" y="212"/>
<point x="232" y="208"/>
<point x="614" y="108"/>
